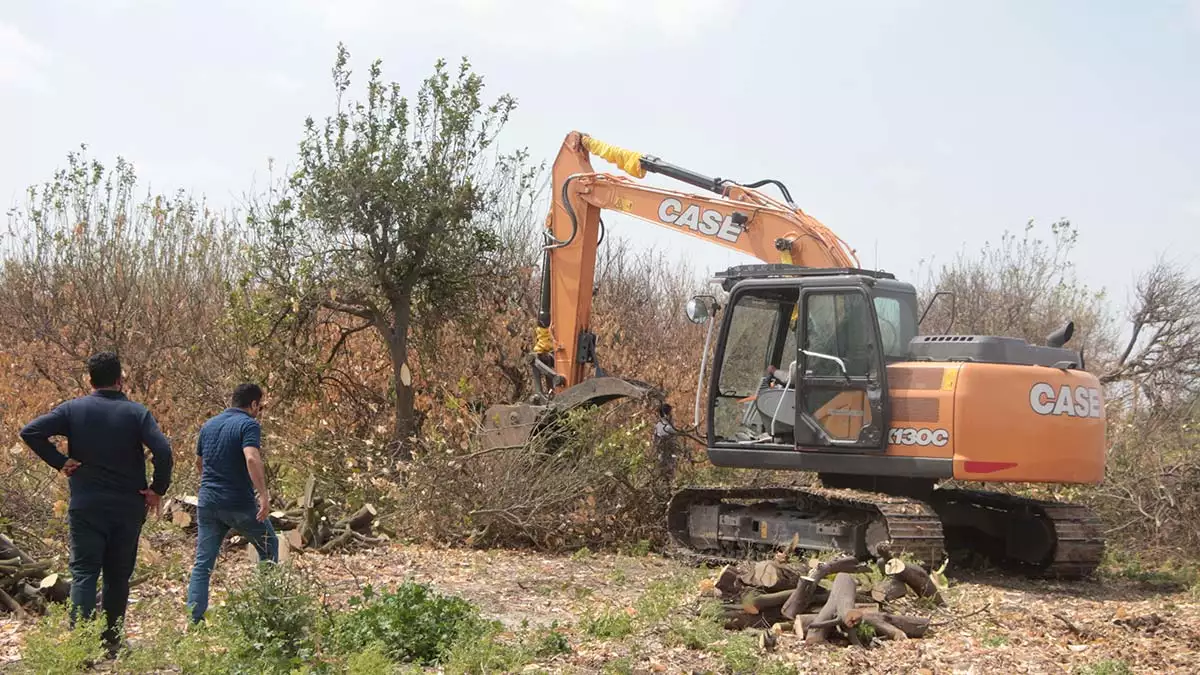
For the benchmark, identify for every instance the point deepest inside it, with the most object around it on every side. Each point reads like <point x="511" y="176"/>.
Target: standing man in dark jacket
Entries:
<point x="106" y="468"/>
<point x="231" y="469"/>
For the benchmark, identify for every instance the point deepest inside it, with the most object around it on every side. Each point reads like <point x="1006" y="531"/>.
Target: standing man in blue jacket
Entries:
<point x="106" y="468"/>
<point x="229" y="461"/>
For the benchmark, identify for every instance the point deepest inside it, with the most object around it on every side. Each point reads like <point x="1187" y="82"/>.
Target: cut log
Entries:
<point x="771" y="576"/>
<point x="915" y="578"/>
<point x="889" y="626"/>
<point x="840" y="602"/>
<point x="803" y="622"/>
<point x="337" y="541"/>
<point x="912" y="626"/>
<point x="760" y="601"/>
<point x="9" y="549"/>
<point x="890" y="589"/>
<point x="294" y="539"/>
<point x="361" y="520"/>
<point x="728" y="582"/>
<point x="807" y="585"/>
<point x="736" y="618"/>
<point x="12" y="605"/>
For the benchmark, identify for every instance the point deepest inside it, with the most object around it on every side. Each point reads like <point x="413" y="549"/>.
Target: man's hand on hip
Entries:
<point x="70" y="466"/>
<point x="264" y="507"/>
<point x="153" y="501"/>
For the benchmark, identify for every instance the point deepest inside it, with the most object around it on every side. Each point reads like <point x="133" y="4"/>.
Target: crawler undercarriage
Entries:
<point x="1031" y="537"/>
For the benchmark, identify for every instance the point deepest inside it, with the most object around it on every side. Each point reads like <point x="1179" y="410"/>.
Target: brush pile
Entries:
<point x="306" y="524"/>
<point x="27" y="585"/>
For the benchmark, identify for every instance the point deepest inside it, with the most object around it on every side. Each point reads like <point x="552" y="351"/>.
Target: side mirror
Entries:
<point x="700" y="308"/>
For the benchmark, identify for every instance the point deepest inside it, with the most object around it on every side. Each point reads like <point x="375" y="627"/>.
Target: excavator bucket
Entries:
<point x="514" y="425"/>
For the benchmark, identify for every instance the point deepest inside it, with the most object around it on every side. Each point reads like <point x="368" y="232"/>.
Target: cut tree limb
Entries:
<point x="840" y="602"/>
<point x="12" y="605"/>
<point x="915" y="578"/>
<point x="807" y="585"/>
<point x="361" y="520"/>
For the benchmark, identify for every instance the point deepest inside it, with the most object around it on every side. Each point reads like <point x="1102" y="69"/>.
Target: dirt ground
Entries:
<point x="1114" y="625"/>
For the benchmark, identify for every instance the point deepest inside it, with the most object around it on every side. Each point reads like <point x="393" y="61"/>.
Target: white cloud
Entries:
<point x="532" y="25"/>
<point x="21" y="59"/>
<point x="1193" y="10"/>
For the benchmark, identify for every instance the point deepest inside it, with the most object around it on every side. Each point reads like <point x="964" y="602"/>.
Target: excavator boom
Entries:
<point x="736" y="217"/>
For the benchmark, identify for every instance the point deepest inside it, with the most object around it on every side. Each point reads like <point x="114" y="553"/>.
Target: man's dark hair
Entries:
<point x="104" y="369"/>
<point x="245" y="394"/>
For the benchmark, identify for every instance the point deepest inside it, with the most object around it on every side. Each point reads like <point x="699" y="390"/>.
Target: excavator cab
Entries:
<point x="801" y="360"/>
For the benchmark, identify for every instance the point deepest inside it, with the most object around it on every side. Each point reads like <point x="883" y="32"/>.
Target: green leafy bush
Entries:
<point x="411" y="623"/>
<point x="274" y="619"/>
<point x="51" y="647"/>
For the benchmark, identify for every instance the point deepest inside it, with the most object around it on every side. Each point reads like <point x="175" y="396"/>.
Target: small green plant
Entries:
<point x="52" y="647"/>
<point x="639" y="550"/>
<point x="274" y="618"/>
<point x="371" y="661"/>
<point x="481" y="650"/>
<point x="621" y="666"/>
<point x="776" y="667"/>
<point x="410" y="623"/>
<point x="995" y="641"/>
<point x="660" y="600"/>
<point x="1106" y="667"/>
<point x="608" y="623"/>
<point x="549" y="642"/>
<point x="699" y="632"/>
<point x="740" y="653"/>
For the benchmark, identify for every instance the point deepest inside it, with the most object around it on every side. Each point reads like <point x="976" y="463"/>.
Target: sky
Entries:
<point x="914" y="129"/>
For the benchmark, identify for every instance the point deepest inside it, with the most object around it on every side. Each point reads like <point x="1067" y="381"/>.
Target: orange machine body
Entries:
<point x="999" y="423"/>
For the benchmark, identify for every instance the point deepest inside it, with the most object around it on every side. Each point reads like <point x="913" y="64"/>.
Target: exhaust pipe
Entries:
<point x="1060" y="337"/>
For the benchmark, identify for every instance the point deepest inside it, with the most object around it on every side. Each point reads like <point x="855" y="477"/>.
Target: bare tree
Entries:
<point x="1161" y="359"/>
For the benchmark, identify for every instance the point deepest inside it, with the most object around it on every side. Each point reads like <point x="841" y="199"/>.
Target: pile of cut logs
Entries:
<point x="26" y="585"/>
<point x="303" y="525"/>
<point x="776" y="596"/>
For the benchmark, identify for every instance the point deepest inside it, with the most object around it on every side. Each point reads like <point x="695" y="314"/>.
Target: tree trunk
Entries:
<point x="398" y="348"/>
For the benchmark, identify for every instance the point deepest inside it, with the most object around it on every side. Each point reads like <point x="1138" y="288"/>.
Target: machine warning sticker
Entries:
<point x="911" y="436"/>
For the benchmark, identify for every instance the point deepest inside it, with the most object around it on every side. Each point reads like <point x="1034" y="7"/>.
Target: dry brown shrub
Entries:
<point x="594" y="483"/>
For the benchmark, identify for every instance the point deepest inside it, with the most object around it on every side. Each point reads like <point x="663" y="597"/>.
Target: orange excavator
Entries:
<point x="818" y="366"/>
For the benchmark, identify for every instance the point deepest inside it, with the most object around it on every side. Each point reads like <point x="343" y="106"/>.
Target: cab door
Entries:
<point x="842" y="397"/>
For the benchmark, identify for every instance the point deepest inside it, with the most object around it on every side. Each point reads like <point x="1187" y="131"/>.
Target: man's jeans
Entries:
<point x="103" y="541"/>
<point x="214" y="524"/>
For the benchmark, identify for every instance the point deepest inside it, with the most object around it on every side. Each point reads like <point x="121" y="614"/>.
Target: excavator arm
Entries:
<point x="733" y="215"/>
<point x="736" y="216"/>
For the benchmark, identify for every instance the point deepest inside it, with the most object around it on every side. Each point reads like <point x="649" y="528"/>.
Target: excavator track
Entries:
<point x="1040" y="539"/>
<point x="706" y="528"/>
